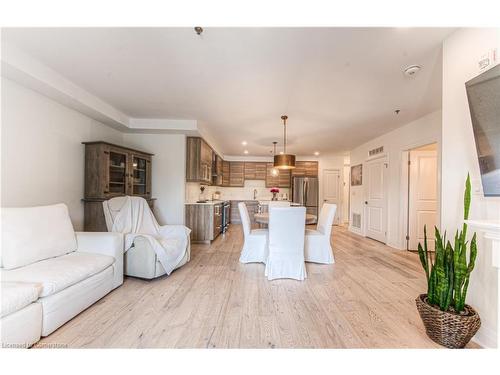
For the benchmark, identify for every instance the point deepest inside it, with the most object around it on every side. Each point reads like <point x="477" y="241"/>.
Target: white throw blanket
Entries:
<point x="133" y="217"/>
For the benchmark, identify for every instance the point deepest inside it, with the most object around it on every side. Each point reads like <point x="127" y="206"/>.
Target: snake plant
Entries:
<point x="447" y="271"/>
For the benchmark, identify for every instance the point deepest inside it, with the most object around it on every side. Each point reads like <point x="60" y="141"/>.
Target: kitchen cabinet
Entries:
<point x="225" y="173"/>
<point x="113" y="171"/>
<point x="198" y="161"/>
<point x="249" y="170"/>
<point x="260" y="171"/>
<point x="217" y="170"/>
<point x="252" y="207"/>
<point x="305" y="169"/>
<point x="236" y="173"/>
<point x="204" y="220"/>
<point x="255" y="170"/>
<point x="280" y="181"/>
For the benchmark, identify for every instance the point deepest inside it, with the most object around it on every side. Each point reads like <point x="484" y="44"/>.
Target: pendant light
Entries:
<point x="274" y="171"/>
<point x="284" y="161"/>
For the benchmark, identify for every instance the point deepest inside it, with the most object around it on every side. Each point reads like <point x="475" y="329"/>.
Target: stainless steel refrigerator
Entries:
<point x="305" y="193"/>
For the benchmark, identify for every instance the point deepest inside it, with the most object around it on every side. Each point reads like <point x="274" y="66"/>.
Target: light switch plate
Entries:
<point x="476" y="186"/>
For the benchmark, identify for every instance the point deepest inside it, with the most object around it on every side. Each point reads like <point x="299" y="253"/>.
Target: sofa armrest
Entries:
<point x="104" y="243"/>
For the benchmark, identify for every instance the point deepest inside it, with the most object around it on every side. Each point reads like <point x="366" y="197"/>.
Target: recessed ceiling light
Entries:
<point x="316" y="153"/>
<point x="244" y="143"/>
<point x="245" y="152"/>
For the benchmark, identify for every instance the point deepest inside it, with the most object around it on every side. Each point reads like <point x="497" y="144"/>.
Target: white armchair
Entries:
<point x="286" y="243"/>
<point x="149" y="247"/>
<point x="317" y="241"/>
<point x="255" y="241"/>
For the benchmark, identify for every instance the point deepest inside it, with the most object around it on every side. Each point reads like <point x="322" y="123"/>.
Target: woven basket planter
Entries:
<point x="446" y="328"/>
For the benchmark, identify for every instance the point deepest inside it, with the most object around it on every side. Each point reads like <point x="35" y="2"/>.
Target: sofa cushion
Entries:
<point x="15" y="296"/>
<point x="56" y="274"/>
<point x="31" y="234"/>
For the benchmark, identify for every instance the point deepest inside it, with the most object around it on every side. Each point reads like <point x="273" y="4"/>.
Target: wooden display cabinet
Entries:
<point x="113" y="171"/>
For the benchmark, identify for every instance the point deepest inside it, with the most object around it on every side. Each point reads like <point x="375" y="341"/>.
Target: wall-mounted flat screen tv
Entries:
<point x="483" y="93"/>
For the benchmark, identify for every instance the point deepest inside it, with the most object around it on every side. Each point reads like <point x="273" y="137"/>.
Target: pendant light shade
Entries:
<point x="284" y="161"/>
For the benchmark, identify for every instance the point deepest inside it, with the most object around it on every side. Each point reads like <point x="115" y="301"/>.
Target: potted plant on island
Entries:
<point x="447" y="319"/>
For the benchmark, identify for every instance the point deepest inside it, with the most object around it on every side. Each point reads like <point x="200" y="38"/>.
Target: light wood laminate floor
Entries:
<point x="364" y="300"/>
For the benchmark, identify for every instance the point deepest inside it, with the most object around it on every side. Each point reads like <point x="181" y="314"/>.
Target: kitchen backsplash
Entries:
<point x="233" y="193"/>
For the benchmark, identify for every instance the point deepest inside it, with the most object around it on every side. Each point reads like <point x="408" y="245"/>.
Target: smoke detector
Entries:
<point x="411" y="70"/>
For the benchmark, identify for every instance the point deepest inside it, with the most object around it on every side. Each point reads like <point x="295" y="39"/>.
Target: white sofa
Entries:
<point x="50" y="273"/>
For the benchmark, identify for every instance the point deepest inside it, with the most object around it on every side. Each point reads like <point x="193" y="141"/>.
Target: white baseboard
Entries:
<point x="486" y="337"/>
<point x="354" y="230"/>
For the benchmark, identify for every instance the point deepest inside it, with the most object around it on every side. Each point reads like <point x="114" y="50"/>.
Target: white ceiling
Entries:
<point x="339" y="86"/>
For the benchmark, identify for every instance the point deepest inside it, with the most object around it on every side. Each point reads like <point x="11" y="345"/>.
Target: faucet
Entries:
<point x="254" y="194"/>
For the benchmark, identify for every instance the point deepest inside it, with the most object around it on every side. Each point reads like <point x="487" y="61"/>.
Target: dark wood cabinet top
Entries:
<point x="115" y="145"/>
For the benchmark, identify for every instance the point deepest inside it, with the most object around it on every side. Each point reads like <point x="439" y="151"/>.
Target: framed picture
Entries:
<point x="357" y="175"/>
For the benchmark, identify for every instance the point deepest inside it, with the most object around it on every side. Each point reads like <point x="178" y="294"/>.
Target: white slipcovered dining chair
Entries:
<point x="279" y="204"/>
<point x="286" y="243"/>
<point x="317" y="241"/>
<point x="255" y="240"/>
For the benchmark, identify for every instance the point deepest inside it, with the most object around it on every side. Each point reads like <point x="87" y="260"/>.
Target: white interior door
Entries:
<point x="423" y="197"/>
<point x="331" y="190"/>
<point x="376" y="199"/>
<point x="345" y="197"/>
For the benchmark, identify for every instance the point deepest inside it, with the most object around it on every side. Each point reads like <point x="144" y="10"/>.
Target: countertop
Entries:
<point x="214" y="202"/>
<point x="209" y="203"/>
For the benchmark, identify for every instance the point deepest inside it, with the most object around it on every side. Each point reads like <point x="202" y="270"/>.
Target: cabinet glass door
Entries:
<point x="117" y="173"/>
<point x="139" y="167"/>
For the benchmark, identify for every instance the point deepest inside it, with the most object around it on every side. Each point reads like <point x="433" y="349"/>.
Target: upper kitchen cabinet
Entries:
<point x="112" y="171"/>
<point x="255" y="171"/>
<point x="236" y="173"/>
<point x="198" y="161"/>
<point x="305" y="169"/>
<point x="217" y="170"/>
<point x="260" y="171"/>
<point x="225" y="173"/>
<point x="249" y="170"/>
<point x="282" y="180"/>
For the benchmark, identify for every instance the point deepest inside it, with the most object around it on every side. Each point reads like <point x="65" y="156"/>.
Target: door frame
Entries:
<point x="339" y="190"/>
<point x="404" y="190"/>
<point x="385" y="189"/>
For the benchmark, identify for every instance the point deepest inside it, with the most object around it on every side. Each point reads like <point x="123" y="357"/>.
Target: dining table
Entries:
<point x="263" y="218"/>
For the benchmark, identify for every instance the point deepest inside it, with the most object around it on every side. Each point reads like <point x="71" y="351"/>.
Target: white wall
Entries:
<point x="169" y="172"/>
<point x="461" y="52"/>
<point x="42" y="156"/>
<point x="423" y="131"/>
